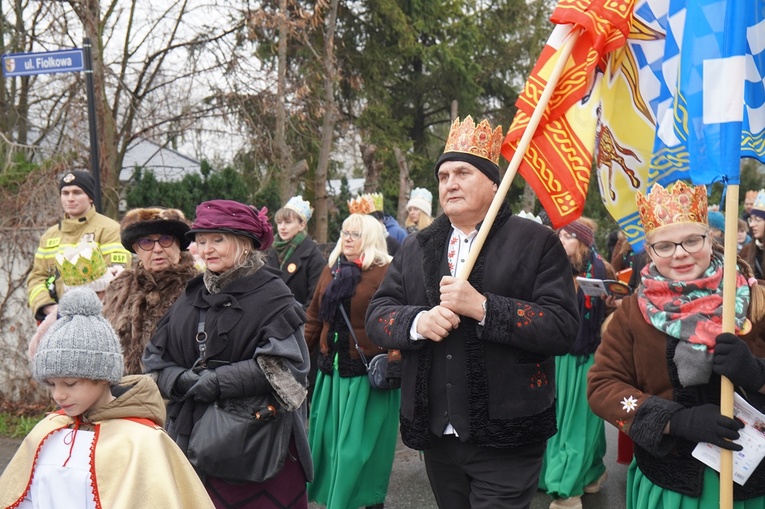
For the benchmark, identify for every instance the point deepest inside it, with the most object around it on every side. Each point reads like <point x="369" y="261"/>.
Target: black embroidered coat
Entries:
<point x="494" y="384"/>
<point x="634" y="385"/>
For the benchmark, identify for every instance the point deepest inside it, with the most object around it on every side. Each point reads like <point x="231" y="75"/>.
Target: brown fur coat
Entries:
<point x="137" y="299"/>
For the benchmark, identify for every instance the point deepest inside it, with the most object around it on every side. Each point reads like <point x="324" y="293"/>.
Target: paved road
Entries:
<point x="409" y="488"/>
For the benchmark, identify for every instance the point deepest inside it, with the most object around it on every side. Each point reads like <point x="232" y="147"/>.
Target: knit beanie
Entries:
<point x="581" y="231"/>
<point x="81" y="344"/>
<point x="422" y="199"/>
<point x="82" y="179"/>
<point x="716" y="220"/>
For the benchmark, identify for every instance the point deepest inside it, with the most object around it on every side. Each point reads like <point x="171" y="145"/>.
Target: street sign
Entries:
<point x="27" y="64"/>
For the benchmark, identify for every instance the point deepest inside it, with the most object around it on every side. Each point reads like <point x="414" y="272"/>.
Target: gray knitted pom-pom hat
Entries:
<point x="81" y="344"/>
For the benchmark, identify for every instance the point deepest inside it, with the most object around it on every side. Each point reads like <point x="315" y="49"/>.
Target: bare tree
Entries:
<point x="149" y="59"/>
<point x="328" y="125"/>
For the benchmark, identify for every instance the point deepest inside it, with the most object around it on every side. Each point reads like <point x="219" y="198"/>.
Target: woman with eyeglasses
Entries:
<point x="353" y="428"/>
<point x="754" y="251"/>
<point x="657" y="371"/>
<point x="140" y="296"/>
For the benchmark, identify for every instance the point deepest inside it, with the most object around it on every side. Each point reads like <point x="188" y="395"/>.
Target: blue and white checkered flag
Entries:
<point x="710" y="89"/>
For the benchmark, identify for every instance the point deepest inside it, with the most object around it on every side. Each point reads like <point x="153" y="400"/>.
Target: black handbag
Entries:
<point x="241" y="440"/>
<point x="377" y="368"/>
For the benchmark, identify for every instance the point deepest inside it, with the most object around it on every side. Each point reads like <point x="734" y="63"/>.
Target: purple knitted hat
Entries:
<point x="581" y="231"/>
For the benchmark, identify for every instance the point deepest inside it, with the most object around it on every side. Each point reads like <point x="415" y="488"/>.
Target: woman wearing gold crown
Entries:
<point x="657" y="372"/>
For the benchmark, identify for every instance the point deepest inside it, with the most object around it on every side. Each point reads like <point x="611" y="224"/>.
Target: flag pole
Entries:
<point x="515" y="163"/>
<point x="728" y="323"/>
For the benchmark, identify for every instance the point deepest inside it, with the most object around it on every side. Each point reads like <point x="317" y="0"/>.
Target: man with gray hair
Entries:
<point x="477" y="393"/>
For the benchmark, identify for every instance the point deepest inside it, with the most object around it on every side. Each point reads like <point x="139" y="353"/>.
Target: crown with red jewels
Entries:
<point x="478" y="140"/>
<point x="681" y="204"/>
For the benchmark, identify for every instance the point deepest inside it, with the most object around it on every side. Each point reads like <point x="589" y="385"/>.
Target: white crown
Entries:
<point x="301" y="206"/>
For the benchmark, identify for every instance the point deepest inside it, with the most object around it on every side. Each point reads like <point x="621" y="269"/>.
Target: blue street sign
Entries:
<point x="27" y="64"/>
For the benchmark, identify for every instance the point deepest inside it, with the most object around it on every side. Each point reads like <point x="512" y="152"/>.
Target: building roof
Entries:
<point x="168" y="165"/>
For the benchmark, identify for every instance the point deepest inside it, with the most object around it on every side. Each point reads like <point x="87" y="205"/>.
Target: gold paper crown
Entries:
<point x="81" y="264"/>
<point x="478" y="140"/>
<point x="683" y="204"/>
<point x="366" y="203"/>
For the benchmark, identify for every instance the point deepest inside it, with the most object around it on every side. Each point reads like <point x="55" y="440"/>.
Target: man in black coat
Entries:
<point x="478" y="370"/>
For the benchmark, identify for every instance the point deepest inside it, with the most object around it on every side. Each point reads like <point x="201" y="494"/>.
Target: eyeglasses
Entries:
<point x="352" y="235"/>
<point x="147" y="244"/>
<point x="666" y="249"/>
<point x="754" y="220"/>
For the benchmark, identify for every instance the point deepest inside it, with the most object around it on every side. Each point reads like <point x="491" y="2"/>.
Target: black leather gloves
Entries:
<point x="185" y="381"/>
<point x="705" y="424"/>
<point x="734" y="360"/>
<point x="207" y="388"/>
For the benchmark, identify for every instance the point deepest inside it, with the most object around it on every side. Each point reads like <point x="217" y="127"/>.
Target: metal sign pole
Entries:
<point x="94" y="155"/>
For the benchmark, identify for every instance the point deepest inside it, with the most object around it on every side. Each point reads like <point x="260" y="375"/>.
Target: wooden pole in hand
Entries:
<point x="729" y="325"/>
<point x="523" y="145"/>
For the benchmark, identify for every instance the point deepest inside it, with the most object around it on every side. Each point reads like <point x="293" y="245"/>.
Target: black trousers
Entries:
<point x="465" y="476"/>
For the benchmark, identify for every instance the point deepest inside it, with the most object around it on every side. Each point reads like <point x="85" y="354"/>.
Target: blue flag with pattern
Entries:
<point x="710" y="84"/>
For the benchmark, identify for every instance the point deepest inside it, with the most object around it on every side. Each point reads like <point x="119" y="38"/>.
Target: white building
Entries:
<point x="168" y="165"/>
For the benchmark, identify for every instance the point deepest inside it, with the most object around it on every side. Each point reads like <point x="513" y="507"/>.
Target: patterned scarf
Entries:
<point x="691" y="311"/>
<point x="286" y="248"/>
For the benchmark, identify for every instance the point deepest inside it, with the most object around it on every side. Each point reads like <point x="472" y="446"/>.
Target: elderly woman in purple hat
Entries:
<point x="254" y="345"/>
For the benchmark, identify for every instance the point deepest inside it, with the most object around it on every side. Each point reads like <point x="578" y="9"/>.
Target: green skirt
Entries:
<point x="353" y="431"/>
<point x="643" y="494"/>
<point x="574" y="455"/>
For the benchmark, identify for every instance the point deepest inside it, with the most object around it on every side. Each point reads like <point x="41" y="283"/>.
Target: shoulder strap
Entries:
<point x="201" y="338"/>
<point x="353" y="335"/>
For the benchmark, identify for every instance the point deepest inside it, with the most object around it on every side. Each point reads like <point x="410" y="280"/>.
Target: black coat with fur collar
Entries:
<point x="501" y="376"/>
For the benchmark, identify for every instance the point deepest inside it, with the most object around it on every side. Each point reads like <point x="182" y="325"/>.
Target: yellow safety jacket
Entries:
<point x="68" y="233"/>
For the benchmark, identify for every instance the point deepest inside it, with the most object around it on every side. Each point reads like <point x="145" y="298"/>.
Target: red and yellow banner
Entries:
<point x="558" y="162"/>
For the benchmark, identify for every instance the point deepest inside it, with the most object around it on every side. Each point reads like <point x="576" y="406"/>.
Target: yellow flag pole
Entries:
<point x="729" y="316"/>
<point x="523" y="145"/>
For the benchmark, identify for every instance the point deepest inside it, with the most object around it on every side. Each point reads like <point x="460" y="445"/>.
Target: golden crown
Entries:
<point x="366" y="203"/>
<point x="81" y="264"/>
<point x="662" y="207"/>
<point x="478" y="140"/>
